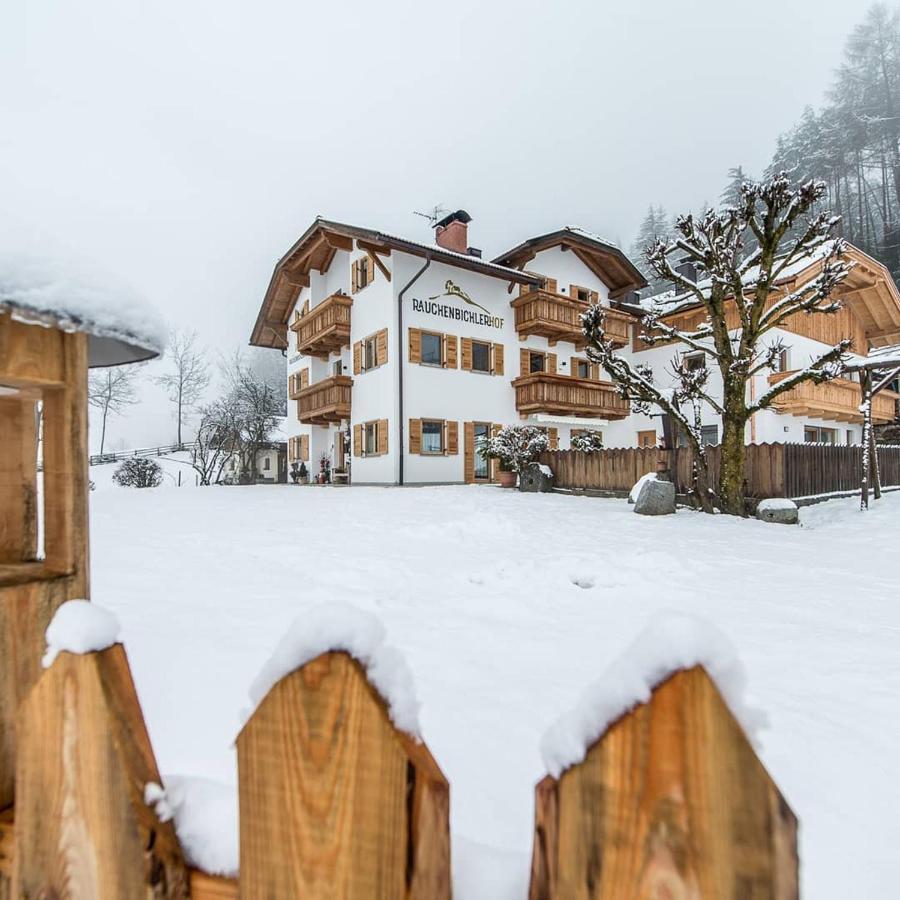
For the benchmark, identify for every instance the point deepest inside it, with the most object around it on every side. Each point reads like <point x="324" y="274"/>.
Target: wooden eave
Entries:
<point x="316" y="249"/>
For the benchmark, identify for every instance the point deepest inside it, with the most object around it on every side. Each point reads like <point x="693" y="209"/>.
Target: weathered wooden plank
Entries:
<point x="84" y="758"/>
<point x="334" y="800"/>
<point x="670" y="802"/>
<point x="212" y="887"/>
<point x="31" y="354"/>
<point x="18" y="479"/>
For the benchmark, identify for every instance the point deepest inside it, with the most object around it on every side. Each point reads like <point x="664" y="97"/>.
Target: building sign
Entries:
<point x="433" y="307"/>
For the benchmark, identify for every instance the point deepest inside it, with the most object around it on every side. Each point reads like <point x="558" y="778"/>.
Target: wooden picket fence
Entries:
<point x="771" y="470"/>
<point x="335" y="801"/>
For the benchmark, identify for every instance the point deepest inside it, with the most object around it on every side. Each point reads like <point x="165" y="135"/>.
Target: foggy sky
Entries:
<point x="184" y="146"/>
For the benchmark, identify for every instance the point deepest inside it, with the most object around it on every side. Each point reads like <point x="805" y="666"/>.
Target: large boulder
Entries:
<point x="655" y="498"/>
<point x="779" y="510"/>
<point x="536" y="479"/>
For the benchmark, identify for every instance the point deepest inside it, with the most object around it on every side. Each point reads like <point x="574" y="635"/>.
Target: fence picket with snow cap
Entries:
<point x="335" y="800"/>
<point x="668" y="799"/>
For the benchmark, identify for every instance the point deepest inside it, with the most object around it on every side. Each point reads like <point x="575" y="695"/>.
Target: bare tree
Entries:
<point x="111" y="391"/>
<point x="188" y="376"/>
<point x="212" y="448"/>
<point x="738" y="293"/>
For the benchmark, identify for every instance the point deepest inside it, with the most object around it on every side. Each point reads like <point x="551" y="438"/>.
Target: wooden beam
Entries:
<point x="370" y="247"/>
<point x="338" y="241"/>
<point x="82" y="826"/>
<point x="295" y="279"/>
<point x="334" y="800"/>
<point x="671" y="801"/>
<point x="381" y="266"/>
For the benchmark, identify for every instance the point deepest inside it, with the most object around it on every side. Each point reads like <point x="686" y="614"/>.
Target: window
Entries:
<point x="481" y="467"/>
<point x="849" y="436"/>
<point x="371" y="438"/>
<point x="337" y="367"/>
<point x="432" y="437"/>
<point x="432" y="347"/>
<point x="535" y="362"/>
<point x="812" y="434"/>
<point x="695" y="362"/>
<point x="709" y="434"/>
<point x="267" y="464"/>
<point x="581" y="368"/>
<point x="370" y="353"/>
<point x="481" y="356"/>
<point x="783" y="363"/>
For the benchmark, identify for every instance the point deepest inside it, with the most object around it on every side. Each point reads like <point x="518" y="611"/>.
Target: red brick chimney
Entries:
<point x="452" y="232"/>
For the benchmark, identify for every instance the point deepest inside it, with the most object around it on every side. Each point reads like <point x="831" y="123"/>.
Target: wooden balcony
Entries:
<point x="562" y="395"/>
<point x="325" y="401"/>
<point x="558" y="318"/>
<point x="836" y="401"/>
<point x="325" y="328"/>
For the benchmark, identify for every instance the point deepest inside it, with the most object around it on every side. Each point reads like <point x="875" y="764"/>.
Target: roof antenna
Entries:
<point x="434" y="214"/>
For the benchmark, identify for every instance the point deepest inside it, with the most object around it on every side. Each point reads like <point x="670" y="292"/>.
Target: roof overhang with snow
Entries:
<point x="316" y="249"/>
<point x="603" y="258"/>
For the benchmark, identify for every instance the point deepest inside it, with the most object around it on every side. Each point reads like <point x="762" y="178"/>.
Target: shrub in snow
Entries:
<point x="587" y="441"/>
<point x="339" y="626"/>
<point x="139" y="472"/>
<point x="670" y="643"/>
<point x="516" y="446"/>
<point x="79" y="626"/>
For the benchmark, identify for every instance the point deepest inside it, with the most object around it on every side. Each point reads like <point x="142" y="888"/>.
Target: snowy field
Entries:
<point x="506" y="606"/>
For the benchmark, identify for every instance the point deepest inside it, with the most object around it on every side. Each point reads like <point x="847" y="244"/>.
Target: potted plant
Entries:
<point x="515" y="447"/>
<point x="303" y="472"/>
<point x="295" y="472"/>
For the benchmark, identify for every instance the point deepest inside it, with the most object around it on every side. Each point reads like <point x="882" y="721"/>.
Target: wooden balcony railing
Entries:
<point x="558" y="318"/>
<point x="540" y="392"/>
<point x="836" y="400"/>
<point x="325" y="401"/>
<point x="325" y="328"/>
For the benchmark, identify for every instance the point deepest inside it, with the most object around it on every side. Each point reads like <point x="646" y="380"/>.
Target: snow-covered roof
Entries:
<point x="122" y="327"/>
<point x="877" y="358"/>
<point x="591" y="235"/>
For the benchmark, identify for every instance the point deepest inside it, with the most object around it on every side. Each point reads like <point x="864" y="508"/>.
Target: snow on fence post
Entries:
<point x="335" y="801"/>
<point x="671" y="800"/>
<point x="82" y="826"/>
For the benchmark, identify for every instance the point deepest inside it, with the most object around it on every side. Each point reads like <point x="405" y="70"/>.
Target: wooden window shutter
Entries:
<point x="450" y="351"/>
<point x="523" y="361"/>
<point x="357" y="440"/>
<point x="355" y="270"/>
<point x="466" y="354"/>
<point x="415" y="436"/>
<point x="452" y="442"/>
<point x="553" y="434"/>
<point x="304" y="378"/>
<point x="495" y="463"/>
<point x="469" y="452"/>
<point x="551" y="363"/>
<point x="573" y="366"/>
<point x="381" y="436"/>
<point x="370" y="269"/>
<point x="595" y="372"/>
<point x="357" y="357"/>
<point x="415" y="345"/>
<point x="381" y="348"/>
<point x="552" y="286"/>
<point x="497" y="359"/>
<point x="304" y="447"/>
<point x="595" y="297"/>
<point x="305" y="306"/>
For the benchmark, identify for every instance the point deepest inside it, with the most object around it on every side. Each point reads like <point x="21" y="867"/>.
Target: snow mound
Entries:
<point x="206" y="820"/>
<point x="671" y="642"/>
<point x="340" y="626"/>
<point x="636" y="490"/>
<point x="775" y="503"/>
<point x="79" y="626"/>
<point x="545" y="470"/>
<point x="75" y="299"/>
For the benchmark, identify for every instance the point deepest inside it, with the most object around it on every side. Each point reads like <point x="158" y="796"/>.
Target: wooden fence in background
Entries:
<point x="335" y="801"/>
<point x="771" y="470"/>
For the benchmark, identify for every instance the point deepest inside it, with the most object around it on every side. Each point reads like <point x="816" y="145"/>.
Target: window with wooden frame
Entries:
<point x="363" y="273"/>
<point x="370" y="438"/>
<point x="693" y="362"/>
<point x="433" y="437"/>
<point x="813" y="434"/>
<point x="337" y="367"/>
<point x="371" y="352"/>
<point x="298" y="448"/>
<point x="432" y="348"/>
<point x="646" y="438"/>
<point x="536" y="361"/>
<point x="584" y="369"/>
<point x="481" y="356"/>
<point x="583" y="294"/>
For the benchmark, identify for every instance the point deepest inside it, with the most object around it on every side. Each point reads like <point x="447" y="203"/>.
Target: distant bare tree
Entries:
<point x="212" y="447"/>
<point x="111" y="391"/>
<point x="188" y="374"/>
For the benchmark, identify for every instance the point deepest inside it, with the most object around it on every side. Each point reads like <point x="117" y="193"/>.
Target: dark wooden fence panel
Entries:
<point x="771" y="470"/>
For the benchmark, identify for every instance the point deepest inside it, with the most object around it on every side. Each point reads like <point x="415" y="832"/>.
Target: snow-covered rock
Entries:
<point x="123" y="327"/>
<point x="655" y="498"/>
<point x="636" y="489"/>
<point x="670" y="643"/>
<point x="340" y="626"/>
<point x="779" y="510"/>
<point x="79" y="626"/>
<point x="536" y="479"/>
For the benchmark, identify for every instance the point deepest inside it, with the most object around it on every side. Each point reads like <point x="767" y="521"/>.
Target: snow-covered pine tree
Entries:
<point x="655" y="225"/>
<point x="729" y="280"/>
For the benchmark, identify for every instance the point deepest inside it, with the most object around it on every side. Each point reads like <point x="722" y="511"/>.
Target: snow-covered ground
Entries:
<point x="506" y="606"/>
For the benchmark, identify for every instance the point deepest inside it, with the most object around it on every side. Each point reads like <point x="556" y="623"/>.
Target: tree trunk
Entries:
<point x="866" y="386"/>
<point x="731" y="466"/>
<point x="103" y="429"/>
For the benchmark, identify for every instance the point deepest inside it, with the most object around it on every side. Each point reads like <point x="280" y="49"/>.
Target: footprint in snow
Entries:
<point x="583" y="581"/>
